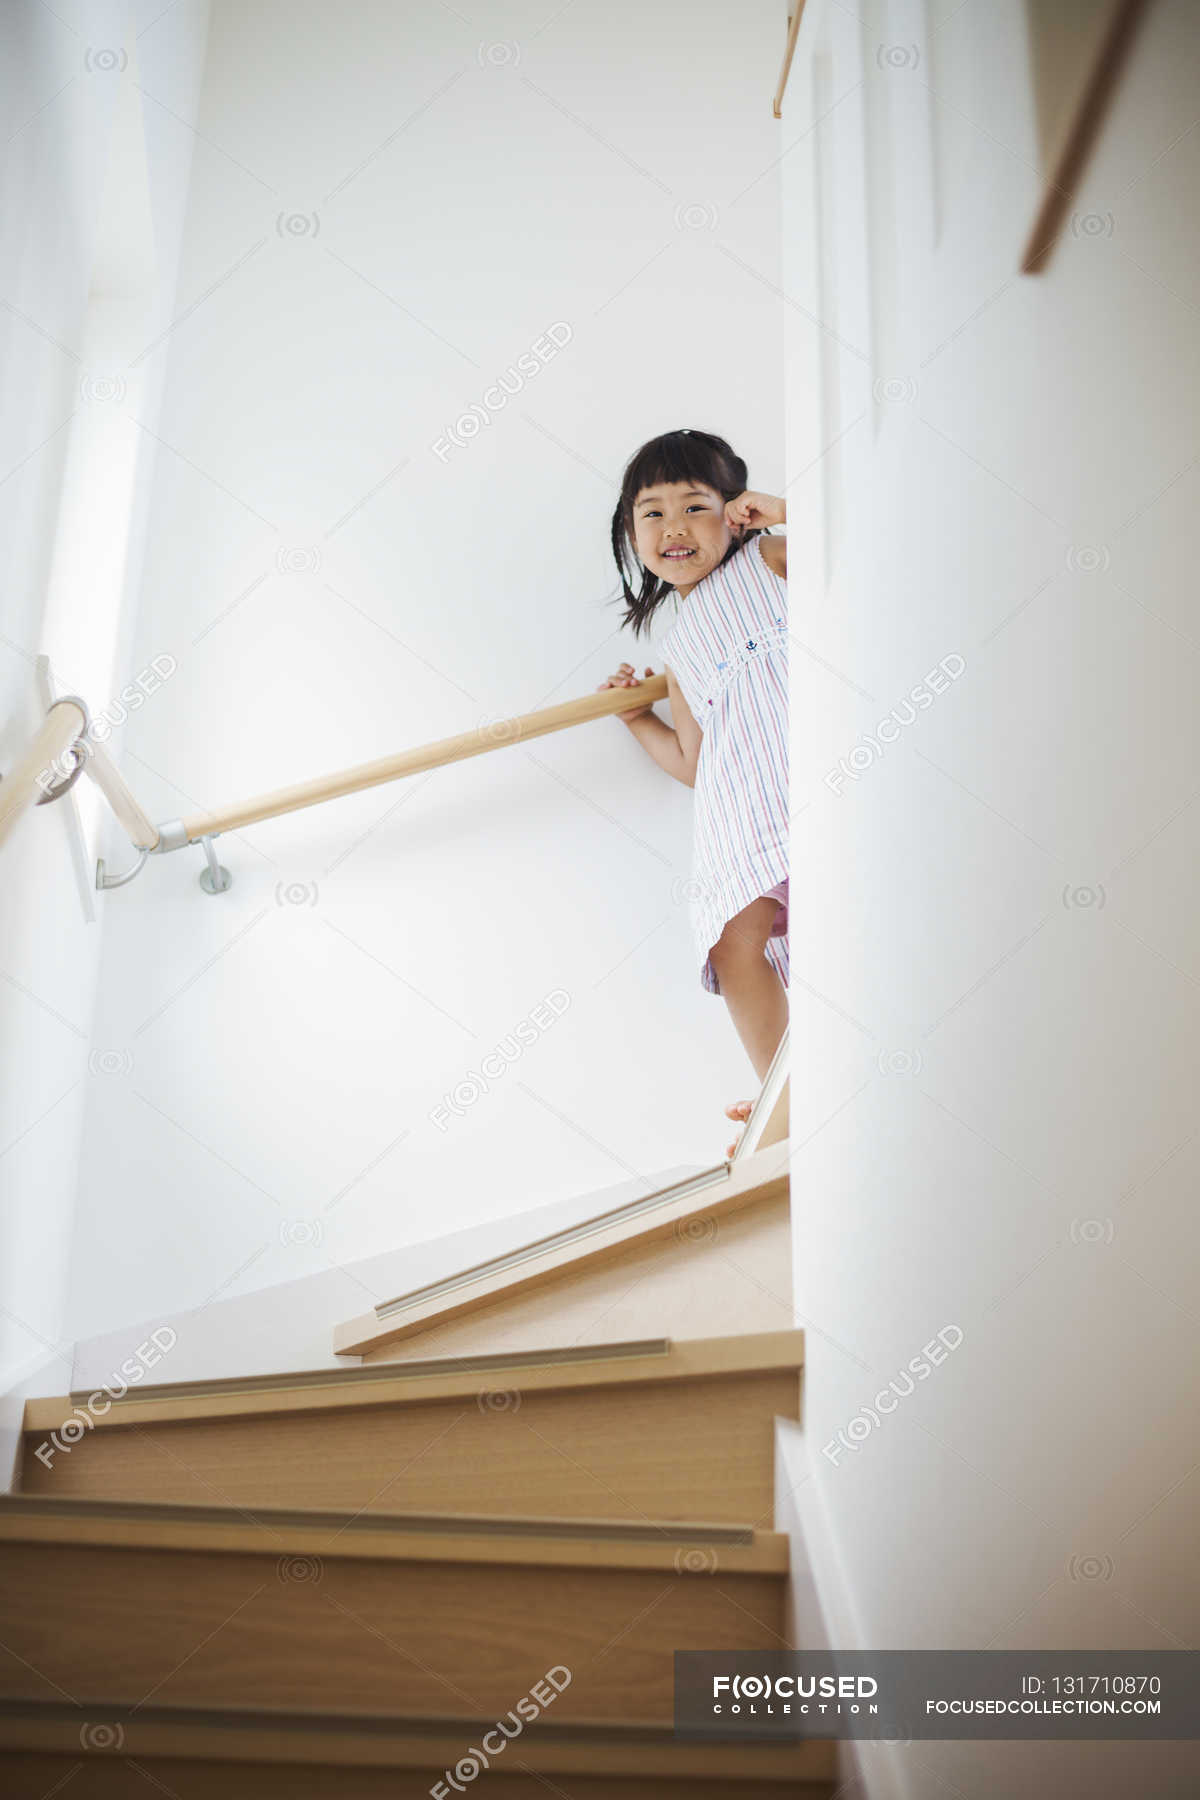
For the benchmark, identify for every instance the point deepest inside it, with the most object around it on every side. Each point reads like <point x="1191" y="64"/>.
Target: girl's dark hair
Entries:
<point x="693" y="456"/>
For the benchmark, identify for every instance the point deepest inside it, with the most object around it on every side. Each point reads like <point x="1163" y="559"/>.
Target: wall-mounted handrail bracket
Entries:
<point x="215" y="878"/>
<point x="104" y="880"/>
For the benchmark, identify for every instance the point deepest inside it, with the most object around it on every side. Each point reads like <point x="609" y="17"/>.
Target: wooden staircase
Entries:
<point x="337" y="1582"/>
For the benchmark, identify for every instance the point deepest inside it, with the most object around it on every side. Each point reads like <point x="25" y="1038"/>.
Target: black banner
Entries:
<point x="906" y="1695"/>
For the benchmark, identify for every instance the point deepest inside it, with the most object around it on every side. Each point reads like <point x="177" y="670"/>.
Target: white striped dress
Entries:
<point x="728" y="650"/>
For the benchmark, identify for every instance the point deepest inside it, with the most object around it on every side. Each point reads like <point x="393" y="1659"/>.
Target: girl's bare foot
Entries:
<point x="738" y="1109"/>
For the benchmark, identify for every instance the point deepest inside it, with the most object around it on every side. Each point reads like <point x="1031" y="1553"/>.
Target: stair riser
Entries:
<point x="699" y="1449"/>
<point x="34" y="1777"/>
<point x="354" y="1634"/>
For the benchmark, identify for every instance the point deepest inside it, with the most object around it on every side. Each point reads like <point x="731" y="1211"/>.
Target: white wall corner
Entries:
<point x="820" y="1610"/>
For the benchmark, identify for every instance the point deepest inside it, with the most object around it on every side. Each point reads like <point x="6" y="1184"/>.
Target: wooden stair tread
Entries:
<point x="393" y="1741"/>
<point x="125" y="1609"/>
<point x="393" y="1537"/>
<point x="442" y="1588"/>
<point x="34" y="1777"/>
<point x="435" y="1378"/>
<point x="685" y="1431"/>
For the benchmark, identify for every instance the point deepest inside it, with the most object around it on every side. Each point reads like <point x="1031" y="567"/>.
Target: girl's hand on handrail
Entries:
<point x="625" y="677"/>
<point x="754" y="511"/>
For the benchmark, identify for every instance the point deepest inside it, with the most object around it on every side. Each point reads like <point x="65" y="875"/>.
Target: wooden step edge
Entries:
<point x="418" y="1383"/>
<point x="687" y="1547"/>
<point x="335" y="1739"/>
<point x="728" y="1188"/>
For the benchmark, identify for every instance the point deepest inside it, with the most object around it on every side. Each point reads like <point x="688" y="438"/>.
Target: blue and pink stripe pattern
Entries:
<point x="728" y="650"/>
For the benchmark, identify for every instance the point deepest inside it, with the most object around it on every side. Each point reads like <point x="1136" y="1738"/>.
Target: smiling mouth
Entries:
<point x="679" y="555"/>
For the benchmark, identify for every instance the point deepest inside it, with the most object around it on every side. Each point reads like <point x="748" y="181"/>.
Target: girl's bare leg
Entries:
<point x="754" y="994"/>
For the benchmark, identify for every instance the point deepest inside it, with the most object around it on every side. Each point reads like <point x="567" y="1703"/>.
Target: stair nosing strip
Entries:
<point x="521" y="1525"/>
<point x="370" y="1373"/>
<point x="380" y="1724"/>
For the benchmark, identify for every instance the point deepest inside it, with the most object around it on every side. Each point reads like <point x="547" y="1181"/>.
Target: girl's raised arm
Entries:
<point x="755" y="511"/>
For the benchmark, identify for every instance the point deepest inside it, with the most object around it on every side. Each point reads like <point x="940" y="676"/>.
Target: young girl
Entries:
<point x="685" y="523"/>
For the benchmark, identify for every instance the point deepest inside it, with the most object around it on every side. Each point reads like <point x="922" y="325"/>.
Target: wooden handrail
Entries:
<point x="108" y="778"/>
<point x="1076" y="144"/>
<point x="789" y="51"/>
<point x="59" y="729"/>
<point x="493" y="736"/>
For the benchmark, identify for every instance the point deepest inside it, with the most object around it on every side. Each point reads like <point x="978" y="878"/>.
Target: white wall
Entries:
<point x="995" y="1030"/>
<point x="388" y="208"/>
<point x="290" y="1326"/>
<point x="67" y="556"/>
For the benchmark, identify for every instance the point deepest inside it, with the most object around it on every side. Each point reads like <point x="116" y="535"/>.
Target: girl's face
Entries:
<point x="680" y="531"/>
